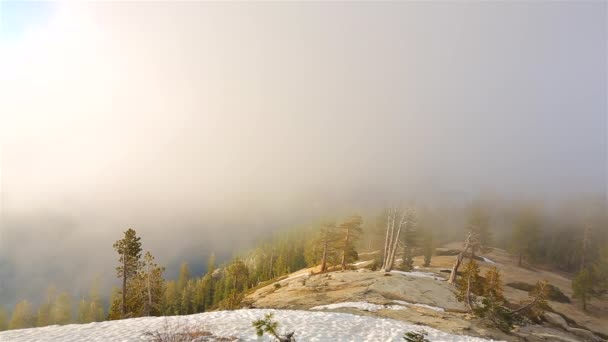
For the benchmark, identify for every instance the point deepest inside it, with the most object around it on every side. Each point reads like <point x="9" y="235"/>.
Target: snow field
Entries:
<point x="308" y="325"/>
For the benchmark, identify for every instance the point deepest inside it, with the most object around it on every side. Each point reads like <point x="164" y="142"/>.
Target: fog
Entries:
<point x="206" y="125"/>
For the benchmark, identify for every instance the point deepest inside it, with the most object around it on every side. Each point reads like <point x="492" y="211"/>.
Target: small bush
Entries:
<point x="269" y="326"/>
<point x="183" y="333"/>
<point x="416" y="336"/>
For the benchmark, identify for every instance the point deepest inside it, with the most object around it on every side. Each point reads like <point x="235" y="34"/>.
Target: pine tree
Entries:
<point x="410" y="239"/>
<point x="61" y="312"/>
<point x="152" y="284"/>
<point x="526" y="235"/>
<point x="184" y="276"/>
<point x="469" y="284"/>
<point x="199" y="295"/>
<point x="43" y="317"/>
<point x="351" y="231"/>
<point x="23" y="316"/>
<point x="209" y="286"/>
<point x="129" y="251"/>
<point x="427" y="247"/>
<point x="187" y="298"/>
<point x="115" y="304"/>
<point x="493" y="285"/>
<point x="3" y="319"/>
<point x="237" y="275"/>
<point x="83" y="311"/>
<point x="582" y="286"/>
<point x="95" y="312"/>
<point x="170" y="301"/>
<point x="211" y="263"/>
<point x="323" y="248"/>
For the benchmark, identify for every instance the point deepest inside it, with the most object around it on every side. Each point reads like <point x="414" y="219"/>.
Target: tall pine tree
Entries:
<point x="129" y="251"/>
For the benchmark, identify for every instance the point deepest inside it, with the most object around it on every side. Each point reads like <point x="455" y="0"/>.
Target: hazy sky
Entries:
<point x="196" y="123"/>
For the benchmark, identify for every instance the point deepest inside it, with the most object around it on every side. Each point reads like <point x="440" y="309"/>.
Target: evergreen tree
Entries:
<point x="410" y="239"/>
<point x="170" y="302"/>
<point x="83" y="311"/>
<point x="237" y="275"/>
<point x="470" y="283"/>
<point x="187" y="298"/>
<point x="3" y="319"/>
<point x="427" y="247"/>
<point x="351" y="231"/>
<point x="184" y="276"/>
<point x="43" y="317"/>
<point x="324" y="247"/>
<point x="492" y="286"/>
<point x="582" y="286"/>
<point x="151" y="283"/>
<point x="211" y="263"/>
<point x="115" y="311"/>
<point x="23" y="316"/>
<point x="61" y="312"/>
<point x="95" y="311"/>
<point x="199" y="295"/>
<point x="526" y="235"/>
<point x="129" y="251"/>
<point x="209" y="291"/>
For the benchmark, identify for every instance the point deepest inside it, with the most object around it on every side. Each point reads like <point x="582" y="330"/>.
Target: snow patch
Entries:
<point x="488" y="260"/>
<point x="434" y="308"/>
<point x="365" y="306"/>
<point x="308" y="326"/>
<point x="419" y="274"/>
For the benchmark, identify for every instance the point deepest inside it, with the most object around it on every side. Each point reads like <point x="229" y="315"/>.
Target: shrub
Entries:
<point x="416" y="336"/>
<point x="269" y="326"/>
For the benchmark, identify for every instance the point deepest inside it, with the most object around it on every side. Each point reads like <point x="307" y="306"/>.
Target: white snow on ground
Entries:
<point x="488" y="260"/>
<point x="309" y="326"/>
<point x="419" y="274"/>
<point x="368" y="253"/>
<point x="365" y="306"/>
<point x="434" y="308"/>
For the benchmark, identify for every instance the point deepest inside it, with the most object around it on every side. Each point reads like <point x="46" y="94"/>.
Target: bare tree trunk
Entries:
<point x="386" y="238"/>
<point x="469" y="243"/>
<point x="519" y="262"/>
<point x="324" y="259"/>
<point x="344" y="249"/>
<point x="390" y="228"/>
<point x="394" y="240"/>
<point x="454" y="273"/>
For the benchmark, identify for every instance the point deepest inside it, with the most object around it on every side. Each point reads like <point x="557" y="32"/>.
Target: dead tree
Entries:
<point x="396" y="219"/>
<point x="470" y="243"/>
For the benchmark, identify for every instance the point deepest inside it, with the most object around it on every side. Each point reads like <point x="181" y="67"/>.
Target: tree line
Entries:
<point x="393" y="237"/>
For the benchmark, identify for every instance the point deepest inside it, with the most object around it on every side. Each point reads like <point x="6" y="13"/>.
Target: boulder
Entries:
<point x="556" y="320"/>
<point x="585" y="334"/>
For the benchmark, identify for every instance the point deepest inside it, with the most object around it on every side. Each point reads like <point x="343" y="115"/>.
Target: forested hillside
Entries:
<point x="535" y="238"/>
